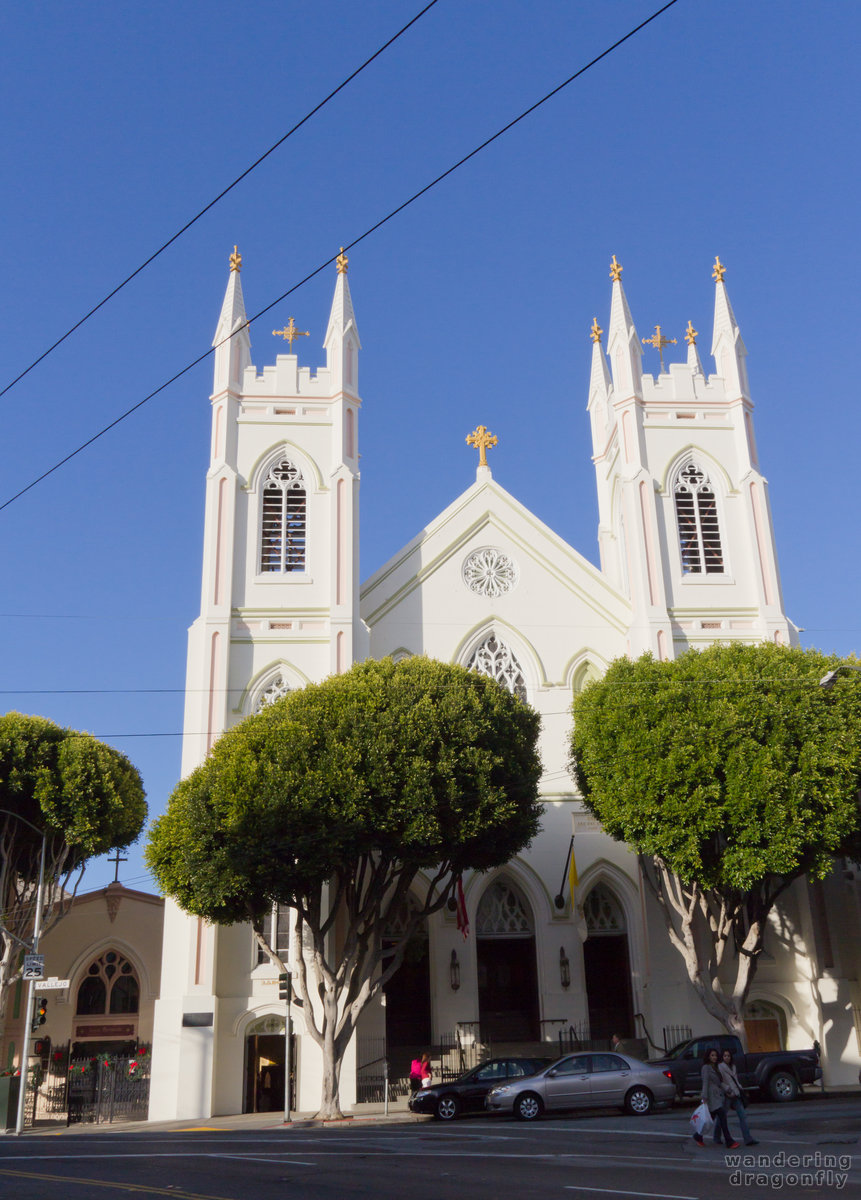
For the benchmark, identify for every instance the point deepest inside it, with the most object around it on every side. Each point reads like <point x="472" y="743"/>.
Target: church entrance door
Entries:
<point x="507" y="974"/>
<point x="408" y="1006"/>
<point x="264" y="1066"/>
<point x="607" y="967"/>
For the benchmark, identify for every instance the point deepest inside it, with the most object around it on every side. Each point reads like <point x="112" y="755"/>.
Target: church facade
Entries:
<point x="687" y="557"/>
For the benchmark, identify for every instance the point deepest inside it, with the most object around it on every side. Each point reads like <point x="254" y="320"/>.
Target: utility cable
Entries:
<point x="215" y="201"/>
<point x="355" y="242"/>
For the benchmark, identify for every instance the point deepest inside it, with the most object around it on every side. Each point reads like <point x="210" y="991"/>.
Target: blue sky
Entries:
<point x="723" y="128"/>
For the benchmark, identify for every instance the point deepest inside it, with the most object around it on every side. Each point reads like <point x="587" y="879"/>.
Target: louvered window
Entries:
<point x="697" y="517"/>
<point x="282" y="546"/>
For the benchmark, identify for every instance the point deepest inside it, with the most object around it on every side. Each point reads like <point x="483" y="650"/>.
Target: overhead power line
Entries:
<point x="216" y="199"/>
<point x="355" y="242"/>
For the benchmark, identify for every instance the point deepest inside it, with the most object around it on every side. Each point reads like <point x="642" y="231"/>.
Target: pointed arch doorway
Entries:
<point x="507" y="974"/>
<point x="607" y="966"/>
<point x="408" y="1006"/>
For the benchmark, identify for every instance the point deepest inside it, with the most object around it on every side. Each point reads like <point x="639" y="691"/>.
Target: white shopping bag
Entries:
<point x="701" y="1120"/>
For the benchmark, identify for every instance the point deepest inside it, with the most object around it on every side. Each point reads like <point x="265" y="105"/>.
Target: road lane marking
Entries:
<point x="177" y="1193"/>
<point x="626" y="1192"/>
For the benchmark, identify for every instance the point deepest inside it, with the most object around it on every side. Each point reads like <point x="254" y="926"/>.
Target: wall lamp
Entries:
<point x="564" y="968"/>
<point x="454" y="971"/>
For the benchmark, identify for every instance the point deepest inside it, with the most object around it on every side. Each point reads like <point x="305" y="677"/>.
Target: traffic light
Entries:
<point x="41" y="1014"/>
<point x="285" y="986"/>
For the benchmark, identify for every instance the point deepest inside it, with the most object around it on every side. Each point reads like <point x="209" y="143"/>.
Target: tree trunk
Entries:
<point x="330" y="1104"/>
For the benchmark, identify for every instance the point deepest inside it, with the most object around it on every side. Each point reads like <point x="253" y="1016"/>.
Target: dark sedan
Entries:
<point x="466" y="1093"/>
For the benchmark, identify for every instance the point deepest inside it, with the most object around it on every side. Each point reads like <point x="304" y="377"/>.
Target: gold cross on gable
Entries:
<point x="481" y="438"/>
<point x="691" y="334"/>
<point x="659" y="341"/>
<point x="235" y="260"/>
<point x="718" y="270"/>
<point x="596" y="331"/>
<point x="615" y="270"/>
<point x="341" y="262"/>
<point x="290" y="333"/>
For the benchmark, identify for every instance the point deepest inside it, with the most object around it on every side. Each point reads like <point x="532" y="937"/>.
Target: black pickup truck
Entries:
<point x="778" y="1074"/>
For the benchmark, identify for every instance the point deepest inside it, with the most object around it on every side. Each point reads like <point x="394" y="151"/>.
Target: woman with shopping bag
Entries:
<point x="713" y="1097"/>
<point x="735" y="1094"/>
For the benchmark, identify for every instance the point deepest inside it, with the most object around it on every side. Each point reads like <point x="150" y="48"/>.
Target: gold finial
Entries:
<point x="235" y="260"/>
<point x="615" y="270"/>
<point x="691" y="335"/>
<point x="659" y="341"/>
<point x="596" y="331"/>
<point x="481" y="439"/>
<point x="341" y="262"/>
<point x="290" y="333"/>
<point x="718" y="270"/>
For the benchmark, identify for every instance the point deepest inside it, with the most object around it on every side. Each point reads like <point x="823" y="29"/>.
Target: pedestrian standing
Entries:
<point x="714" y="1098"/>
<point x="415" y="1074"/>
<point x="735" y="1095"/>
<point x="426" y="1071"/>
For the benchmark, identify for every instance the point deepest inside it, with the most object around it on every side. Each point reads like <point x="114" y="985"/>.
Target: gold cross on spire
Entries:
<point x="596" y="331"/>
<point x="235" y="260"/>
<point x="615" y="270"/>
<point x="691" y="335"/>
<point x="481" y="438"/>
<point x="290" y="333"/>
<point x="341" y="262"/>
<point x="718" y="270"/>
<point x="659" y="341"/>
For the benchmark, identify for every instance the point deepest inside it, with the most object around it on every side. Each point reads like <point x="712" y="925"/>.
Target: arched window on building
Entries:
<point x="283" y="529"/>
<point x="109" y="987"/>
<point x="274" y="690"/>
<point x="697" y="518"/>
<point x="495" y="659"/>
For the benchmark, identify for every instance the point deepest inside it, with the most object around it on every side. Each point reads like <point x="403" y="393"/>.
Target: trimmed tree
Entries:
<point x="341" y="801"/>
<point x="732" y="774"/>
<point x="84" y="796"/>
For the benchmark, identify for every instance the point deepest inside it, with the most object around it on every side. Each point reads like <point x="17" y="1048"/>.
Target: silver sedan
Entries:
<point x="595" y="1080"/>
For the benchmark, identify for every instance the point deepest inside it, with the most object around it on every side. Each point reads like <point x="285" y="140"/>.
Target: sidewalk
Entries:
<point x="371" y="1114"/>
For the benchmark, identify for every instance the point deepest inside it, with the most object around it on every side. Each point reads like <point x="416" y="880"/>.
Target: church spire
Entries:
<point x="623" y="345"/>
<point x="728" y="348"/>
<point x="691" y="335"/>
<point x="599" y="379"/>
<point x="232" y="341"/>
<point x="342" y="335"/>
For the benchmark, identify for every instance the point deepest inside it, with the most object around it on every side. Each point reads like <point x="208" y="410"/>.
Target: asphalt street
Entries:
<point x="810" y="1148"/>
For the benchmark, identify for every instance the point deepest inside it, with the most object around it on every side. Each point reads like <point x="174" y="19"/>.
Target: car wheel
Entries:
<point x="447" y="1108"/>
<point x="783" y="1086"/>
<point x="639" y="1101"/>
<point x="528" y="1107"/>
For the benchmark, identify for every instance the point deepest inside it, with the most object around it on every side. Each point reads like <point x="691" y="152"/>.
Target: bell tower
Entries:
<point x="685" y="528"/>
<point x="279" y="609"/>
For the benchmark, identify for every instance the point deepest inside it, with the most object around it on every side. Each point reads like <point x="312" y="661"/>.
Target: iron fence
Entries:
<point x="98" y="1089"/>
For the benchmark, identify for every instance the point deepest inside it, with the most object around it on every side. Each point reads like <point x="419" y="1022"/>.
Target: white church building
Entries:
<point x="687" y="556"/>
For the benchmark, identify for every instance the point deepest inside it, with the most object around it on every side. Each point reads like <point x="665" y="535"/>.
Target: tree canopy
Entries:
<point x="343" y="799"/>
<point x="732" y="773"/>
<point x="83" y="795"/>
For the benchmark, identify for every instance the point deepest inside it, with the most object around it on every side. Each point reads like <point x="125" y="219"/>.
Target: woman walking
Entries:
<point x="735" y="1093"/>
<point x="714" y="1098"/>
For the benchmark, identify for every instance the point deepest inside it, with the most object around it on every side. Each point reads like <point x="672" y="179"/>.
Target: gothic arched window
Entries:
<point x="503" y="912"/>
<point x="697" y="517"/>
<point x="274" y="690"/>
<point x="495" y="659"/>
<point x="282" y="541"/>
<point x="110" y="986"/>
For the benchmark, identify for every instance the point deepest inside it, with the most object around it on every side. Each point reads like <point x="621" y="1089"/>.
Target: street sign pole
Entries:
<point x="288" y="1048"/>
<point x="24" y="1052"/>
